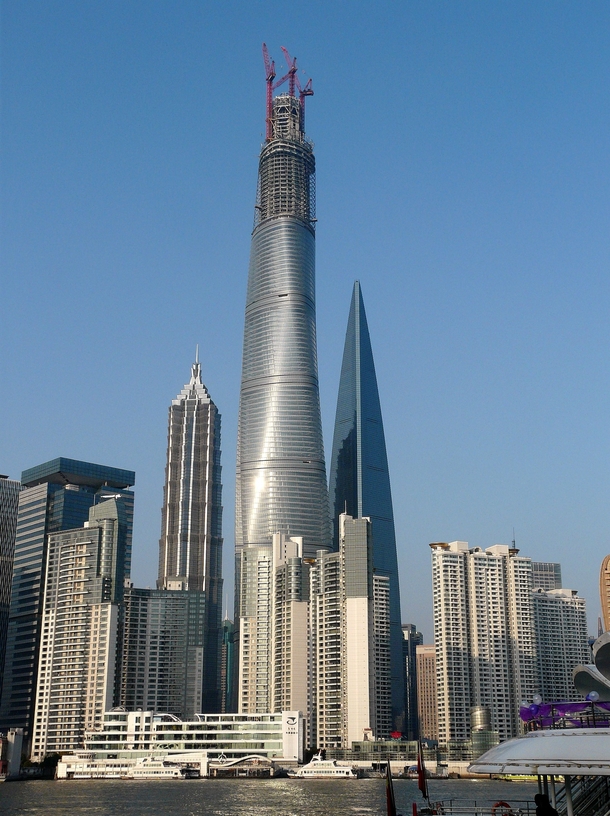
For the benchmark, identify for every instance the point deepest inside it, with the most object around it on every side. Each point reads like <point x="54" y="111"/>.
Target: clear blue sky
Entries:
<point x="463" y="176"/>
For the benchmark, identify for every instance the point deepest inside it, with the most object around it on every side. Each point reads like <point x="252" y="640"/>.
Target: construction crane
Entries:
<point x="293" y="81"/>
<point x="269" y="77"/>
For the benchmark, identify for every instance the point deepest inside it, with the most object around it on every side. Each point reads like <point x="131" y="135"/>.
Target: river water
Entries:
<point x="241" y="797"/>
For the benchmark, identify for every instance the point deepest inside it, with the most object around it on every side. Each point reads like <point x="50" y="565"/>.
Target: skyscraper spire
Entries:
<point x="196" y="371"/>
<point x="359" y="475"/>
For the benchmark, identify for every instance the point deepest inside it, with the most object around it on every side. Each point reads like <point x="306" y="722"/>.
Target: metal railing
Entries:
<point x="480" y="807"/>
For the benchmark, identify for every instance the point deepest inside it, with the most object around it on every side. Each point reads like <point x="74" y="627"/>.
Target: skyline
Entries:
<point x="484" y="203"/>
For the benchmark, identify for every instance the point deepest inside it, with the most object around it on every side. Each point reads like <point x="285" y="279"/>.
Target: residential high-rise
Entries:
<point x="290" y="676"/>
<point x="484" y="634"/>
<point x="57" y="496"/>
<point x="427" y="709"/>
<point x="162" y="660"/>
<point x="604" y="592"/>
<point x="273" y="647"/>
<point x="9" y="502"/>
<point x="359" y="475"/>
<point x="350" y="628"/>
<point x="560" y="618"/>
<point x="190" y="549"/>
<point x="281" y="474"/>
<point x="546" y="575"/>
<point x="85" y="575"/>
<point x="253" y="621"/>
<point x="411" y="639"/>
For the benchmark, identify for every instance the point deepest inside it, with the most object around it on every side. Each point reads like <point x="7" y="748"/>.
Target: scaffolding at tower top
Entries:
<point x="293" y="81"/>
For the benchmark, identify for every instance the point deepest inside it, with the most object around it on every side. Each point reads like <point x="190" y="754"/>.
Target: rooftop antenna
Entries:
<point x="197" y="353"/>
<point x="514" y="547"/>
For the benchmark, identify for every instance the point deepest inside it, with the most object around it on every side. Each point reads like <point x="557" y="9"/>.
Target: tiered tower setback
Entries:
<point x="190" y="549"/>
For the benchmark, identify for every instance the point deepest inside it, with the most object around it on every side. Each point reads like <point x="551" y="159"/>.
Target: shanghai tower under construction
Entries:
<point x="281" y="474"/>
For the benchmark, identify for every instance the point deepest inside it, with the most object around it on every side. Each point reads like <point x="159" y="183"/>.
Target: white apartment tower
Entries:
<point x="484" y="636"/>
<point x="76" y="673"/>
<point x="255" y="613"/>
<point x="350" y="633"/>
<point x="561" y="632"/>
<point x="273" y="644"/>
<point x="315" y="636"/>
<point x="290" y="626"/>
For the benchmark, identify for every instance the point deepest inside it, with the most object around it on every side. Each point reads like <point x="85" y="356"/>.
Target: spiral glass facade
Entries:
<point x="281" y="474"/>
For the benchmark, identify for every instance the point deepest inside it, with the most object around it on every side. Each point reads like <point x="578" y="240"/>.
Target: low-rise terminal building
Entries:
<point x="140" y="733"/>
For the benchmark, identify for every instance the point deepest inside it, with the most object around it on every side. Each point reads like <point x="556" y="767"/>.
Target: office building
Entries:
<point x="349" y="635"/>
<point x="76" y="678"/>
<point x="604" y="592"/>
<point x="190" y="548"/>
<point x="227" y="667"/>
<point x="411" y="639"/>
<point x="484" y="635"/>
<point x="546" y="575"/>
<point x="162" y="660"/>
<point x="359" y="475"/>
<point x="281" y="473"/>
<point x="57" y="496"/>
<point x="562" y="641"/>
<point x="9" y="502"/>
<point x="427" y="709"/>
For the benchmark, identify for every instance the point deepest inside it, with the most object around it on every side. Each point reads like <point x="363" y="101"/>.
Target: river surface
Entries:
<point x="241" y="797"/>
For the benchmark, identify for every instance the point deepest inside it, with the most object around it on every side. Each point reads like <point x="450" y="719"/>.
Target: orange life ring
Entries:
<point x="504" y="807"/>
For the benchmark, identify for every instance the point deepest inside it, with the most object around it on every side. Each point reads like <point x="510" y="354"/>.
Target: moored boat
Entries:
<point x="320" y="768"/>
<point x="152" y="768"/>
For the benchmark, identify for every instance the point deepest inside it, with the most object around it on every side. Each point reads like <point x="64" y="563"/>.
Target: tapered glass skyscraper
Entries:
<point x="359" y="476"/>
<point x="281" y="474"/>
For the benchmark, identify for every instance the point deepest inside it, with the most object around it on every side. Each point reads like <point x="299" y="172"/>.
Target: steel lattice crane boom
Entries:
<point x="293" y="83"/>
<point x="269" y="77"/>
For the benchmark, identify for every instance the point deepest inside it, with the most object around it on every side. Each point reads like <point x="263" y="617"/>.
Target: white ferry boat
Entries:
<point x="151" y="768"/>
<point x="320" y="768"/>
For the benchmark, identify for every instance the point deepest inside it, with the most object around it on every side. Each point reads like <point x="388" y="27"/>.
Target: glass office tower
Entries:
<point x="9" y="502"/>
<point x="359" y="475"/>
<point x="190" y="549"/>
<point x="281" y="474"/>
<point x="57" y="496"/>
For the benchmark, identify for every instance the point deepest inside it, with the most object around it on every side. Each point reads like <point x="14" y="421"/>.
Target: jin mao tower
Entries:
<point x="281" y="474"/>
<point x="190" y="549"/>
<point x="360" y="479"/>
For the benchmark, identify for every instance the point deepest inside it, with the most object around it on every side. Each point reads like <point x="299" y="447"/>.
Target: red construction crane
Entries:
<point x="293" y="81"/>
<point x="269" y="77"/>
<point x="292" y="70"/>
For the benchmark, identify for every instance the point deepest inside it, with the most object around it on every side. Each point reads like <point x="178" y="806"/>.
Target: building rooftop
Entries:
<point x="71" y="471"/>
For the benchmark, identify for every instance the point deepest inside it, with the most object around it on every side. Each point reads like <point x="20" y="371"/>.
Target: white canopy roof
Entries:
<point x="578" y="751"/>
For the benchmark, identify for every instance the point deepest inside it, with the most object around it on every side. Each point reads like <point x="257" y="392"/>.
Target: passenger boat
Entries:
<point x="320" y="768"/>
<point x="151" y="768"/>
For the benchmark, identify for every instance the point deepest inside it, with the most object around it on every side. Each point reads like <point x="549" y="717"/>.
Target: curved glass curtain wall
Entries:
<point x="281" y="473"/>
